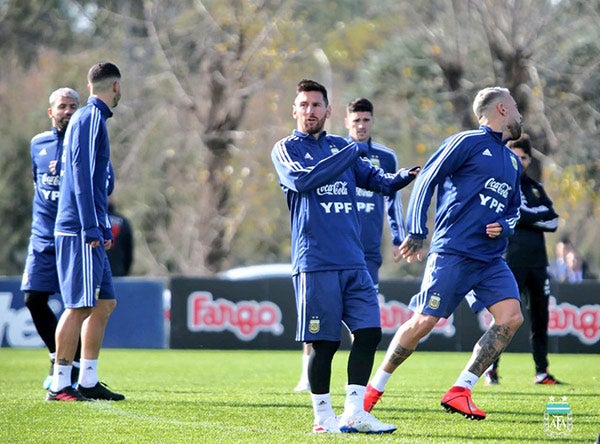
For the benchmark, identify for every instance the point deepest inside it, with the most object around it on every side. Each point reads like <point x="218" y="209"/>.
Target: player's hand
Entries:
<point x="108" y="243"/>
<point x="414" y="170"/>
<point x="411" y="249"/>
<point x="94" y="243"/>
<point x="493" y="230"/>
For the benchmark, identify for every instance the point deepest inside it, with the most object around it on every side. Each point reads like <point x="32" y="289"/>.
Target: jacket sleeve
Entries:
<point x="82" y="178"/>
<point x="539" y="215"/>
<point x="372" y="178"/>
<point x="296" y="175"/>
<point x="441" y="164"/>
<point x="394" y="212"/>
<point x="513" y="214"/>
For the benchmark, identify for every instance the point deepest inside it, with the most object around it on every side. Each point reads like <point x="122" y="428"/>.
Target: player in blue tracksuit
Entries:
<point x="319" y="174"/>
<point x="371" y="206"/>
<point x="40" y="279"/>
<point x="82" y="233"/>
<point x="477" y="179"/>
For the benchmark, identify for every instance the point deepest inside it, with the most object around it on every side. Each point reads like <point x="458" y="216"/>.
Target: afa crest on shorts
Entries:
<point x="434" y="301"/>
<point x="314" y="325"/>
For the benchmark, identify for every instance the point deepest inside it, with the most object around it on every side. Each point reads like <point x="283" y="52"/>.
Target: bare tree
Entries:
<point x="207" y="60"/>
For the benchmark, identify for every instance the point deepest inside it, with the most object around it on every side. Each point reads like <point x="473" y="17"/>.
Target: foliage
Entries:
<point x="208" y="87"/>
<point x="190" y="396"/>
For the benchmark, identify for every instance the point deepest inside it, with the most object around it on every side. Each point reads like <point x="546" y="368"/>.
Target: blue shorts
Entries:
<point x="83" y="272"/>
<point x="40" y="268"/>
<point x="326" y="300"/>
<point x="373" y="268"/>
<point x="449" y="277"/>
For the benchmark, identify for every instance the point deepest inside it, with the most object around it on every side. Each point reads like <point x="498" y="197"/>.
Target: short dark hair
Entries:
<point x="305" y="85"/>
<point x="523" y="142"/>
<point x="102" y="71"/>
<point x="360" y="105"/>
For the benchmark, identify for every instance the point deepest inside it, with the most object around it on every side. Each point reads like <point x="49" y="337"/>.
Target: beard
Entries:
<point x="515" y="130"/>
<point x="313" y="127"/>
<point x="62" y="124"/>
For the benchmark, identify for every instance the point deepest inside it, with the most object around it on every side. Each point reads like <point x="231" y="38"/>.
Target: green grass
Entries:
<point x="192" y="396"/>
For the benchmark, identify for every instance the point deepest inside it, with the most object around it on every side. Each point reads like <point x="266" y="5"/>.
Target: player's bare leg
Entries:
<point x="92" y="335"/>
<point x="403" y="344"/>
<point x="67" y="338"/>
<point x="507" y="319"/>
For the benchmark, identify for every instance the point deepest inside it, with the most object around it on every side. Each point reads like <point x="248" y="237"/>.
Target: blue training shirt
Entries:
<point x="478" y="182"/>
<point x="373" y="206"/>
<point x="319" y="178"/>
<point x="86" y="174"/>
<point x="46" y="150"/>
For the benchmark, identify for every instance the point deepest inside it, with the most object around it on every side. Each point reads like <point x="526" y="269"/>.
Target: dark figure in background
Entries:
<point x="527" y="258"/>
<point x="120" y="255"/>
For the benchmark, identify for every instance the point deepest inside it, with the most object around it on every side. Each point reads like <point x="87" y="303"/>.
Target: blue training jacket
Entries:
<point x="478" y="182"/>
<point x="319" y="178"/>
<point x="46" y="150"/>
<point x="86" y="174"/>
<point x="373" y="206"/>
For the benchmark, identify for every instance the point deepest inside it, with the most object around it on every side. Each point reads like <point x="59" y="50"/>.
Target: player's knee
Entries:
<point x="515" y="320"/>
<point x="420" y="325"/>
<point x="325" y="349"/>
<point x="512" y="318"/>
<point x="35" y="299"/>
<point x="367" y="338"/>
<point x="105" y="307"/>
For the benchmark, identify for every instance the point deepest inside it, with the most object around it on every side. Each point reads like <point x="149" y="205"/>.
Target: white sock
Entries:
<point x="380" y="379"/>
<point x="467" y="379"/>
<point x="88" y="372"/>
<point x="322" y="407"/>
<point x="52" y="356"/>
<point x="354" y="399"/>
<point x="61" y="377"/>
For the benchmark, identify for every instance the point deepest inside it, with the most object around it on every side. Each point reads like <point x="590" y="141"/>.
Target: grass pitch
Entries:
<point x="201" y="396"/>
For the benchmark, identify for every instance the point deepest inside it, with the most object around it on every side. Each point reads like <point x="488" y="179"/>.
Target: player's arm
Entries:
<point x="541" y="216"/>
<point x="295" y="175"/>
<point x="394" y="212"/>
<point x="505" y="227"/>
<point x="33" y="165"/>
<point x="82" y="179"/>
<point x="440" y="165"/>
<point x="370" y="177"/>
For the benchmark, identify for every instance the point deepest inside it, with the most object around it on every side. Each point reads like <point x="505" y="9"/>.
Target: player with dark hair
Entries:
<point x="319" y="174"/>
<point x="82" y="234"/>
<point x="478" y="198"/>
<point x="40" y="279"/>
<point x="372" y="207"/>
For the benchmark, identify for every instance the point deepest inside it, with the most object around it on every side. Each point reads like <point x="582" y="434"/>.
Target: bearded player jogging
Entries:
<point x="478" y="199"/>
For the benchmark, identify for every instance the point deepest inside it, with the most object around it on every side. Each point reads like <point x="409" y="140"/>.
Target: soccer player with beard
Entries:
<point x="82" y="234"/>
<point x="40" y="279"/>
<point x="477" y="178"/>
<point x="372" y="207"/>
<point x="319" y="174"/>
